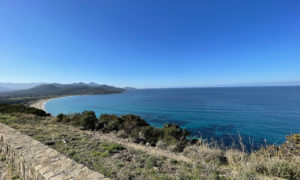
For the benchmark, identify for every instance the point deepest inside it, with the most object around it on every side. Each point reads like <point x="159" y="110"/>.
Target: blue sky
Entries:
<point x="166" y="43"/>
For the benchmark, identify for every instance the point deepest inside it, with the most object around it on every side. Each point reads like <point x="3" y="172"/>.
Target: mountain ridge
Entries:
<point x="56" y="89"/>
<point x="19" y="86"/>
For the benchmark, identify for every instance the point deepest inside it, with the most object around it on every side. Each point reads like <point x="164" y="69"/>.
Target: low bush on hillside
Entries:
<point x="108" y="123"/>
<point x="60" y="117"/>
<point x="150" y="134"/>
<point x="175" y="137"/>
<point x="131" y="126"/>
<point x="19" y="108"/>
<point x="88" y="120"/>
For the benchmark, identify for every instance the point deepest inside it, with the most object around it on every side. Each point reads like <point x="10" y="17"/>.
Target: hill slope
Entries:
<point x="63" y="89"/>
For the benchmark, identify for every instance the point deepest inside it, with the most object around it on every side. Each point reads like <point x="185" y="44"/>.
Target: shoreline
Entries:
<point x="40" y="104"/>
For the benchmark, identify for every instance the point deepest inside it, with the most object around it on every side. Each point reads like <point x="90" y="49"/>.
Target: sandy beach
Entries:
<point x="41" y="103"/>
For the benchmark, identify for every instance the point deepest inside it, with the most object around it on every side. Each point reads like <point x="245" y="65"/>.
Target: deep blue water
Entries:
<point x="260" y="113"/>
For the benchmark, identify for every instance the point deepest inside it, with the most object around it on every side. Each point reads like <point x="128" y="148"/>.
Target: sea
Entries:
<point x="257" y="115"/>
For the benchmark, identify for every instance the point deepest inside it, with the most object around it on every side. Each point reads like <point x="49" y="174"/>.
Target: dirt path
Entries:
<point x="155" y="151"/>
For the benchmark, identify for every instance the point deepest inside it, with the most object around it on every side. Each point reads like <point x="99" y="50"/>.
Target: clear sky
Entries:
<point x="150" y="43"/>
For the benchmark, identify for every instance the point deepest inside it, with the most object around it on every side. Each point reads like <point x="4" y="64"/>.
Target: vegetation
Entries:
<point x="130" y="126"/>
<point x="19" y="108"/>
<point x="20" y="100"/>
<point x="88" y="120"/>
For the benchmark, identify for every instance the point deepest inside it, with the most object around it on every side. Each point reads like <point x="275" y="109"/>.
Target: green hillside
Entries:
<point x="55" y="89"/>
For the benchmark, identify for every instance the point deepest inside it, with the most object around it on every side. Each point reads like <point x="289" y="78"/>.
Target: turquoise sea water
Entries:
<point x="260" y="113"/>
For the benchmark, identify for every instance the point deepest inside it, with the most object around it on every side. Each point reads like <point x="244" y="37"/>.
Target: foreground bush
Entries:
<point x="108" y="123"/>
<point x="150" y="134"/>
<point x="175" y="137"/>
<point x="60" y="117"/>
<point x="88" y="120"/>
<point x="132" y="124"/>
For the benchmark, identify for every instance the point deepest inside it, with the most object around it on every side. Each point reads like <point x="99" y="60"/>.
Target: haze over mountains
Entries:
<point x="8" y="86"/>
<point x="56" y="89"/>
<point x="3" y="89"/>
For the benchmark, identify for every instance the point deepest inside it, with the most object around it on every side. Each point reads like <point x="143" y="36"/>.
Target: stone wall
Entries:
<point x="35" y="161"/>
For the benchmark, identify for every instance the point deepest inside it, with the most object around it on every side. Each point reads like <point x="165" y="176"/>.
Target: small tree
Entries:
<point x="109" y="122"/>
<point x="88" y="120"/>
<point x="151" y="134"/>
<point x="174" y="135"/>
<point x="132" y="124"/>
<point x="60" y="117"/>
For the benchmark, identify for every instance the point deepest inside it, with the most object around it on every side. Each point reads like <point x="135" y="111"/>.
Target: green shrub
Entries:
<point x="111" y="148"/>
<point x="60" y="117"/>
<point x="108" y="123"/>
<point x="150" y="134"/>
<point x="175" y="137"/>
<point x="172" y="133"/>
<point x="88" y="120"/>
<point x="74" y="118"/>
<point x="132" y="124"/>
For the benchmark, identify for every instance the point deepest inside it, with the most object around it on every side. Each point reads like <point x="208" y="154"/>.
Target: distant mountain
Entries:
<point x="93" y="84"/>
<point x="56" y="89"/>
<point x="3" y="89"/>
<point x="18" y="86"/>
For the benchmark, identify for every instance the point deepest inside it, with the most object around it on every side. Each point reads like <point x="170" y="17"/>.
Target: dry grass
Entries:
<point x="270" y="162"/>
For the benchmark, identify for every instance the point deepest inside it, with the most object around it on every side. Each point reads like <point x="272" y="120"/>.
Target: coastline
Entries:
<point x="40" y="104"/>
